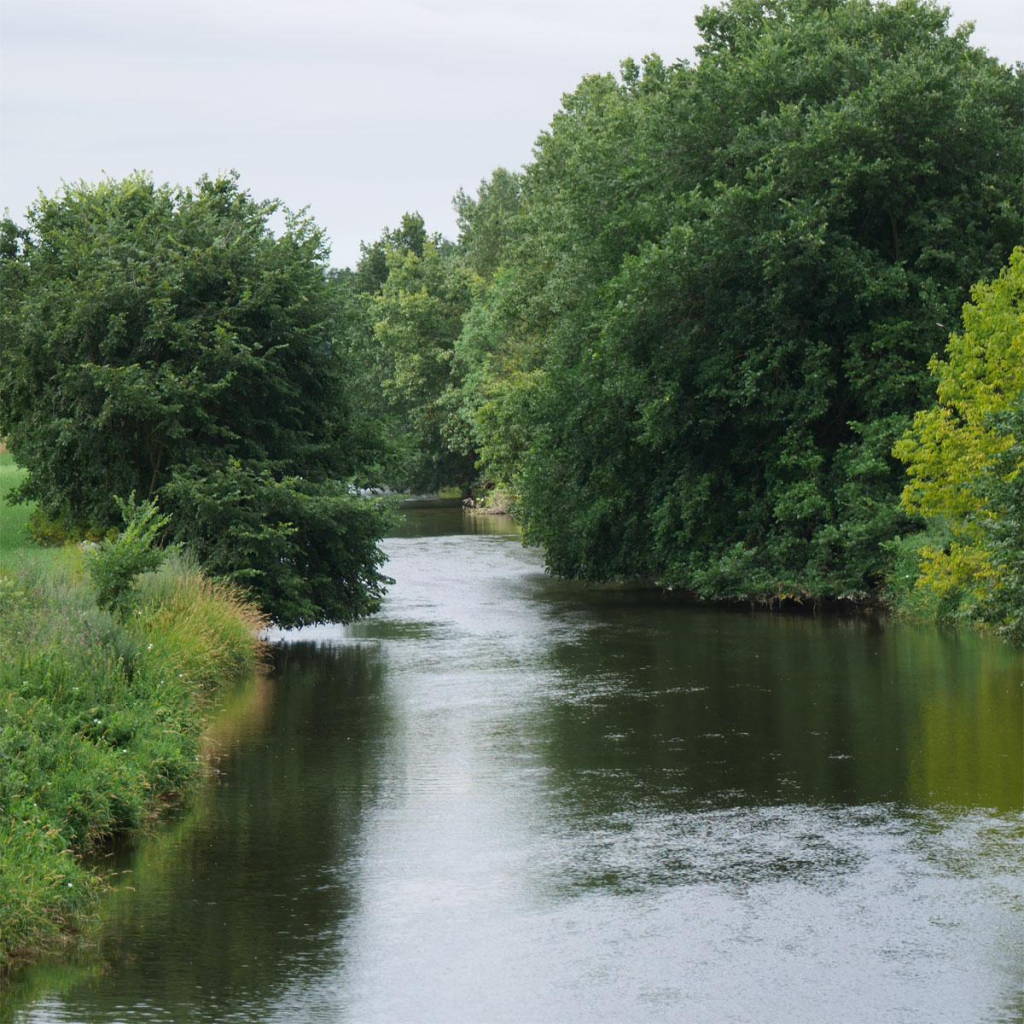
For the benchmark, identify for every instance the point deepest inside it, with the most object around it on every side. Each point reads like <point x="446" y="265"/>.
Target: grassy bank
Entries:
<point x="100" y="717"/>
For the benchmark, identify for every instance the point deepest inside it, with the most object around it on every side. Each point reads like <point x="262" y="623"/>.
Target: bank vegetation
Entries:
<point x="101" y="713"/>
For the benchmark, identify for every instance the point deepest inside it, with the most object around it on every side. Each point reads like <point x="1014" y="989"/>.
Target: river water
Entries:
<point x="512" y="799"/>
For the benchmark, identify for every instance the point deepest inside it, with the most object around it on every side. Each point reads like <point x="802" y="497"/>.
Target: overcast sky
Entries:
<point x="359" y="110"/>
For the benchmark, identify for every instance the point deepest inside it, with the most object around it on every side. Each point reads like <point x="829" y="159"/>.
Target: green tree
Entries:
<point x="397" y="339"/>
<point x="372" y="269"/>
<point x="488" y="221"/>
<point x="1004" y="530"/>
<point x="964" y="457"/>
<point x="406" y="302"/>
<point x="715" y="315"/>
<point x="417" y="318"/>
<point x="165" y="341"/>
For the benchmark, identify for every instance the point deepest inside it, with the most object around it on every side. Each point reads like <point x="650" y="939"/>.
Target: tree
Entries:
<point x="716" y="313"/>
<point x="1004" y="530"/>
<point x="404" y="303"/>
<point x="964" y="457"/>
<point x="372" y="269"/>
<point x="164" y="341"/>
<point x="487" y="223"/>
<point x="417" y="318"/>
<point x="407" y="298"/>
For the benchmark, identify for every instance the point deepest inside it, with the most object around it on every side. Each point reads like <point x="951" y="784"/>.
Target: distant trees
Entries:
<point x="409" y="292"/>
<point x="488" y="221"/>
<point x="965" y="459"/>
<point x="411" y="303"/>
<point x="163" y="341"/>
<point x="417" y="318"/>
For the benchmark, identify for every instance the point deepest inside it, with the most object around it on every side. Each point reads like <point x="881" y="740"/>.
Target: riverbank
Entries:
<point x="100" y="718"/>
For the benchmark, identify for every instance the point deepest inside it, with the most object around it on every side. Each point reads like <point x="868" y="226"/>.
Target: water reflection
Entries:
<point x="507" y="798"/>
<point x="227" y="907"/>
<point x="737" y="708"/>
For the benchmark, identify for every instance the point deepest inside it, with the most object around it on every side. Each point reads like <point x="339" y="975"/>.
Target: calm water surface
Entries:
<point x="507" y="798"/>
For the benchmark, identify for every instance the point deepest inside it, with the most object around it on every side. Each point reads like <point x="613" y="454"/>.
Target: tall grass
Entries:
<point x="100" y="719"/>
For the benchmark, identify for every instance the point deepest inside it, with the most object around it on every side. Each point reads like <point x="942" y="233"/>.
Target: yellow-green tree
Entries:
<point x="963" y="455"/>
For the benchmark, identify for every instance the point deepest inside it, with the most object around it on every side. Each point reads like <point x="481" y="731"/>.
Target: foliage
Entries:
<point x="47" y="531"/>
<point x="409" y="294"/>
<point x="101" y="720"/>
<point x="417" y="317"/>
<point x="372" y="269"/>
<point x="151" y="330"/>
<point x="1003" y="531"/>
<point x="964" y="458"/>
<point x="714" y="315"/>
<point x="406" y="305"/>
<point x="488" y="222"/>
<point x="116" y="565"/>
<point x="301" y="547"/>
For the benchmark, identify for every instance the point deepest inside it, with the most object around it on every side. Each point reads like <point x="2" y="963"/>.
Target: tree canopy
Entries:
<point x="164" y="341"/>
<point x="409" y="293"/>
<point x="965" y="457"/>
<point x="714" y="313"/>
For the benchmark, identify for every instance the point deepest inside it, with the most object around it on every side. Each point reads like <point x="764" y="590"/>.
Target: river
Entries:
<point x="508" y="798"/>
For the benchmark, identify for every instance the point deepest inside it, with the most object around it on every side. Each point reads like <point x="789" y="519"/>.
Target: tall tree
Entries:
<point x="724" y="288"/>
<point x="417" y="318"/>
<point x="487" y="221"/>
<point x="405" y="301"/>
<point x="372" y="269"/>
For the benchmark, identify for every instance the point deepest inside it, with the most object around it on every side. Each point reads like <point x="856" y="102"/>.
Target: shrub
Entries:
<point x="307" y="551"/>
<point x="115" y="565"/>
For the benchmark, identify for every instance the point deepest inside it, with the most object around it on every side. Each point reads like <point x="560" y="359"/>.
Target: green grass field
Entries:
<point x="17" y="549"/>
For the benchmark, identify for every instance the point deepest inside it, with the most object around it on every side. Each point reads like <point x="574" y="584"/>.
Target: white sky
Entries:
<point x="359" y="110"/>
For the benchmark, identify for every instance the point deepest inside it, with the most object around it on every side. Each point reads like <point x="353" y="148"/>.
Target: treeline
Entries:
<point x="684" y="342"/>
<point x="688" y="336"/>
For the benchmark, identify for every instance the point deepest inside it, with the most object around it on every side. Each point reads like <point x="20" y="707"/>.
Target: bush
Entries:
<point x="307" y="550"/>
<point x="116" y="565"/>
<point x="47" y="531"/>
